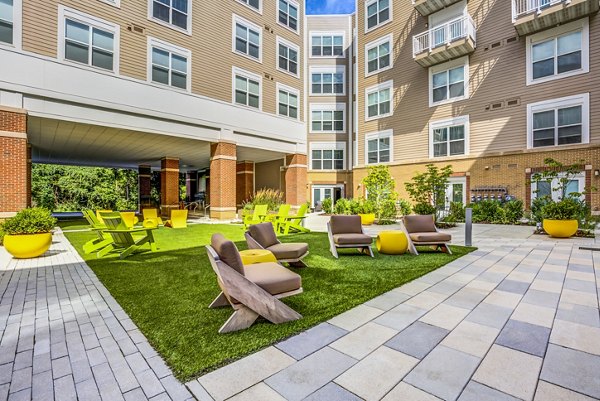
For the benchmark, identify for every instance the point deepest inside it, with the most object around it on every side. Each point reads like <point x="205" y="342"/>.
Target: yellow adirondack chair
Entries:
<point x="295" y="222"/>
<point x="102" y="239"/>
<point x="129" y="218"/>
<point x="99" y="212"/>
<point x="258" y="215"/>
<point x="123" y="238"/>
<point x="151" y="217"/>
<point x="178" y="219"/>
<point x="279" y="218"/>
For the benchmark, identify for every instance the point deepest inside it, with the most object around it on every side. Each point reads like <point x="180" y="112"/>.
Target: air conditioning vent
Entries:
<point x="136" y="29"/>
<point x="496" y="106"/>
<point x="268" y="76"/>
<point x="512" y="39"/>
<point x="513" y="102"/>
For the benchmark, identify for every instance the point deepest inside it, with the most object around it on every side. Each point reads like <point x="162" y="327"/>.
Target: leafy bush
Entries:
<point x="566" y="209"/>
<point x="266" y="196"/>
<point x="493" y="212"/>
<point x="514" y="211"/>
<point x="537" y="208"/>
<point x="429" y="187"/>
<point x="327" y="205"/>
<point x="342" y="206"/>
<point x="456" y="214"/>
<point x="405" y="207"/>
<point x="380" y="188"/>
<point x="387" y="214"/>
<point x="424" y="208"/>
<point x="34" y="220"/>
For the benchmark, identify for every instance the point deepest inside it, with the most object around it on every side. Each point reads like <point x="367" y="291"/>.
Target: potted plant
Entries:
<point x="29" y="233"/>
<point x="366" y="211"/>
<point x="561" y="218"/>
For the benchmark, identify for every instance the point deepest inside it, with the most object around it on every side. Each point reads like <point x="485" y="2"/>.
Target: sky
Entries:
<point x="329" y="6"/>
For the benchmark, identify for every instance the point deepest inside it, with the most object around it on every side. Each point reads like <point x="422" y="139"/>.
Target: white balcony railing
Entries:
<point x="524" y="7"/>
<point x="441" y="35"/>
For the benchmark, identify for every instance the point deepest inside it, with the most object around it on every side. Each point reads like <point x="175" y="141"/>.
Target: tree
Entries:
<point x="428" y="189"/>
<point x="380" y="188"/>
<point x="563" y="174"/>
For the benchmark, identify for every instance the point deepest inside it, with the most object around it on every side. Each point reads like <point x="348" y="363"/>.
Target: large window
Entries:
<point x="7" y="21"/>
<point x="327" y="118"/>
<point x="287" y="55"/>
<point x="379" y="147"/>
<point x="288" y="14"/>
<point x="327" y="45"/>
<point x="327" y="156"/>
<point x="169" y="64"/>
<point x="327" y="81"/>
<point x="449" y="137"/>
<point x="246" y="88"/>
<point x="377" y="13"/>
<point x="247" y="39"/>
<point x="379" y="100"/>
<point x="173" y="12"/>
<point x="559" y="52"/>
<point x="378" y="55"/>
<point x="287" y="99"/>
<point x="448" y="85"/>
<point x="255" y="4"/>
<point x="574" y="188"/>
<point x="559" y="122"/>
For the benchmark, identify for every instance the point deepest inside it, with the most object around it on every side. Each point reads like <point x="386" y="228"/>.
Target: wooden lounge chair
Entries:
<point x="251" y="291"/>
<point x="262" y="236"/>
<point x="279" y="218"/>
<point x="258" y="215"/>
<point x="178" y="219"/>
<point x="421" y="230"/>
<point x="151" y="215"/>
<point x="294" y="223"/>
<point x="102" y="239"/>
<point x="123" y="240"/>
<point x="347" y="232"/>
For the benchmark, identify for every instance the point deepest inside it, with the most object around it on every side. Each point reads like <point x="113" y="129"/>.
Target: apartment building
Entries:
<point x="211" y="88"/>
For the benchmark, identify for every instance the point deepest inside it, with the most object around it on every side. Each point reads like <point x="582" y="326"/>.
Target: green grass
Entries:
<point x="167" y="293"/>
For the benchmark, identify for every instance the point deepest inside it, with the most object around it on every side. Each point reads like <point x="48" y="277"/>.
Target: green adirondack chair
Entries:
<point x="102" y="240"/>
<point x="279" y="218"/>
<point x="295" y="222"/>
<point x="258" y="215"/>
<point x="123" y="237"/>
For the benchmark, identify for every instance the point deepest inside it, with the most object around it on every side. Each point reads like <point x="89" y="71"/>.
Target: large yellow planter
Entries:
<point x="367" y="219"/>
<point x="561" y="228"/>
<point x="27" y="245"/>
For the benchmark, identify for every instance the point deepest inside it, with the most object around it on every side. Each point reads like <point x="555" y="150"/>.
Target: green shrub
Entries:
<point x="342" y="206"/>
<point x="537" y="207"/>
<point x="566" y="209"/>
<point x="387" y="214"/>
<point x="380" y="187"/>
<point x="514" y="211"/>
<point x="456" y="214"/>
<point x="424" y="208"/>
<point x="327" y="205"/>
<point x="488" y="211"/>
<point x="35" y="220"/>
<point x="405" y="207"/>
<point x="354" y="206"/>
<point x="266" y="196"/>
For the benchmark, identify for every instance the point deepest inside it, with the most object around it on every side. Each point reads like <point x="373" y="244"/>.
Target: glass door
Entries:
<point x="456" y="191"/>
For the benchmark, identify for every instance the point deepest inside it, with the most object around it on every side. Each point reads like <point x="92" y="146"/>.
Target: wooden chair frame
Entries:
<point x="412" y="245"/>
<point x="102" y="239"/>
<point x="363" y="248"/>
<point x="122" y="237"/>
<point x="253" y="244"/>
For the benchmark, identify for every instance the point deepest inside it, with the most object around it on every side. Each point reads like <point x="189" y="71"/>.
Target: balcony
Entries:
<point x="426" y="7"/>
<point x="530" y="16"/>
<point x="445" y="42"/>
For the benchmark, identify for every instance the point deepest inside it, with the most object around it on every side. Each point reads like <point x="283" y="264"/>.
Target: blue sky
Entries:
<point x="329" y="6"/>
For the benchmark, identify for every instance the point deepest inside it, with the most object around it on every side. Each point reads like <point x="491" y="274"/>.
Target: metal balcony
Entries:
<point x="426" y="7"/>
<point x="530" y="16"/>
<point x="445" y="42"/>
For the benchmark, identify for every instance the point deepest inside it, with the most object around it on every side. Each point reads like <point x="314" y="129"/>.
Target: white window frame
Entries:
<point x="436" y="69"/>
<point x="17" y="23"/>
<point x="248" y="75"/>
<point x="580" y="178"/>
<point x="328" y="33"/>
<point x="584" y="26"/>
<point x="339" y="69"/>
<point x="298" y="18"/>
<point x="582" y="100"/>
<point x="180" y="51"/>
<point x="377" y="88"/>
<point x="249" y="25"/>
<point x="292" y="91"/>
<point x="65" y="13"/>
<point x="328" y="146"/>
<point x="377" y="43"/>
<point x="378" y="135"/>
<point x="187" y="31"/>
<point x="380" y="24"/>
<point x="296" y="48"/>
<point x="257" y="10"/>
<point x="114" y="3"/>
<point x="328" y="107"/>
<point x="463" y="120"/>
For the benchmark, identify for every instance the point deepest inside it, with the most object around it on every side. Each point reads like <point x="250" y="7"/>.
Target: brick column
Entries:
<point x="144" y="185"/>
<point x="244" y="181"/>
<point x="222" y="180"/>
<point x="295" y="179"/>
<point x="15" y="162"/>
<point x="191" y="184"/>
<point x="169" y="185"/>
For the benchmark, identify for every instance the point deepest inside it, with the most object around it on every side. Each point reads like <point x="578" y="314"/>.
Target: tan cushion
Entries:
<point x="430" y="237"/>
<point x="228" y="252"/>
<point x="419" y="223"/>
<point x="345" y="225"/>
<point x="273" y="278"/>
<point x="264" y="234"/>
<point x="352" y="239"/>
<point x="289" y="251"/>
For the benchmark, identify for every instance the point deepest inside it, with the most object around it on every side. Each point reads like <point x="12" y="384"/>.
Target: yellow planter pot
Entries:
<point x="28" y="245"/>
<point x="561" y="228"/>
<point x="367" y="219"/>
<point x="392" y="242"/>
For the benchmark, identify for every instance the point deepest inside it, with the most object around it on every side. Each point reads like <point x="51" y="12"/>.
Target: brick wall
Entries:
<point x="15" y="163"/>
<point x="295" y="179"/>
<point x="169" y="185"/>
<point x="244" y="182"/>
<point x="223" y="180"/>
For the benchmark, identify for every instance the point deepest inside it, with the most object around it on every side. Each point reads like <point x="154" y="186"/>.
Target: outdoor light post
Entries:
<point x="468" y="226"/>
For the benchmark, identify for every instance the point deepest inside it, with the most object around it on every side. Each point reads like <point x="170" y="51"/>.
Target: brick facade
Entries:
<point x="295" y="179"/>
<point x="244" y="182"/>
<point x="144" y="185"/>
<point x="223" y="180"/>
<point x="15" y="163"/>
<point x="169" y="185"/>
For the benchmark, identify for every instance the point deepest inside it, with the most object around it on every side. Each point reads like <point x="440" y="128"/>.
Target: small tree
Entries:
<point x="562" y="173"/>
<point x="429" y="188"/>
<point x="380" y="188"/>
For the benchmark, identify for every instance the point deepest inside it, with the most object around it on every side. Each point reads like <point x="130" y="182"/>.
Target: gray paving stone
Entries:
<point x="478" y="392"/>
<point x="198" y="391"/>
<point x="490" y="315"/>
<point x="518" y="287"/>
<point x="87" y="390"/>
<point x="541" y="298"/>
<point x="175" y="389"/>
<point x="446" y="287"/>
<point x="578" y="314"/>
<point x="400" y="317"/>
<point x="43" y="386"/>
<point x="388" y="300"/>
<point x="161" y="397"/>
<point x="4" y="392"/>
<point x="443" y="373"/>
<point x="23" y="395"/>
<point x="417" y="339"/>
<point x="304" y="344"/>
<point x="126" y="379"/>
<point x="81" y="371"/>
<point x="61" y="367"/>
<point x="580" y="285"/>
<point x="551" y="276"/>
<point x="332" y="392"/>
<point x="23" y="360"/>
<point x="159" y="367"/>
<point x="96" y="356"/>
<point x="551" y="392"/>
<point x="135" y="395"/>
<point x="21" y="379"/>
<point x="41" y="363"/>
<point x="525" y="337"/>
<point x="149" y="383"/>
<point x="6" y="372"/>
<point x="64" y="389"/>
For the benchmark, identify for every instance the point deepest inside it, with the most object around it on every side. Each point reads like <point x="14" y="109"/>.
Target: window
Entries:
<point x="254" y="4"/>
<point x="552" y="189"/>
<point x="246" y="88"/>
<point x="449" y="84"/>
<point x="559" y="122"/>
<point x="288" y="14"/>
<point x="327" y="45"/>
<point x="327" y="156"/>
<point x="327" y="118"/>
<point x="287" y="99"/>
<point x="327" y="81"/>
<point x="169" y="64"/>
<point x="88" y="40"/>
<point x="379" y="100"/>
<point x="378" y="12"/>
<point x="247" y="39"/>
<point x="287" y="57"/>
<point x="6" y="21"/>
<point x="175" y="13"/>
<point x="558" y="53"/>
<point x="449" y="137"/>
<point x="378" y="55"/>
<point x="379" y="147"/>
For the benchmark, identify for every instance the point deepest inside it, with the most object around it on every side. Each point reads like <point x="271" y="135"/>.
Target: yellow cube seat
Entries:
<point x="251" y="256"/>
<point x="392" y="242"/>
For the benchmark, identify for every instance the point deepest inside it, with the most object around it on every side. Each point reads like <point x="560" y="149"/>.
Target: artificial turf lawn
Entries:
<point x="167" y="293"/>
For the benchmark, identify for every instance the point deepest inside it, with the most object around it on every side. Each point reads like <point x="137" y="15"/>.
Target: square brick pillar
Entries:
<point x="244" y="182"/>
<point x="295" y="179"/>
<point x="144" y="186"/>
<point x="15" y="162"/>
<point x="223" y="180"/>
<point x="169" y="185"/>
<point x="191" y="184"/>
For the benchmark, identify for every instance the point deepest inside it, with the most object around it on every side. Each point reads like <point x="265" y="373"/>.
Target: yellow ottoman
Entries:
<point x="392" y="242"/>
<point x="251" y="256"/>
